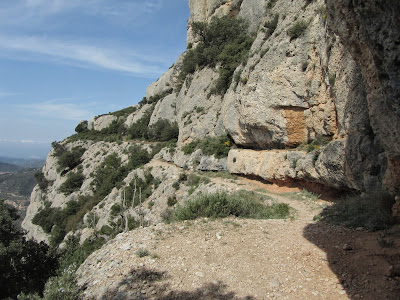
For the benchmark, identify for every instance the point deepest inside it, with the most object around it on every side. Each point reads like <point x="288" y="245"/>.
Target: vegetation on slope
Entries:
<point x="223" y="42"/>
<point x="217" y="146"/>
<point x="161" y="131"/>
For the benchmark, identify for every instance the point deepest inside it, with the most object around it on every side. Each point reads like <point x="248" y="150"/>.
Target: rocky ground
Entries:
<point x="295" y="258"/>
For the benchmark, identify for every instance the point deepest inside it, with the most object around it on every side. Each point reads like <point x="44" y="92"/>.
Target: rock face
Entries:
<point x="99" y="123"/>
<point x="370" y="32"/>
<point x="316" y="102"/>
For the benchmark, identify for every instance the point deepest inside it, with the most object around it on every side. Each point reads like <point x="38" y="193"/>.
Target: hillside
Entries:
<point x="293" y="93"/>
<point x="5" y="167"/>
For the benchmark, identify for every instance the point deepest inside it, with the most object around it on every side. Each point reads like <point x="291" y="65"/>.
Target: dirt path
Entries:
<point x="244" y="259"/>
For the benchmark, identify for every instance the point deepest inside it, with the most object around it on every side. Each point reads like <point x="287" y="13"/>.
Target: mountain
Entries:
<point x="294" y="93"/>
<point x="290" y="103"/>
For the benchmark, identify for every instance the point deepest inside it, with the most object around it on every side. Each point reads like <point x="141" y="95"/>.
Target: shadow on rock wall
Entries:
<point x="366" y="263"/>
<point x="143" y="283"/>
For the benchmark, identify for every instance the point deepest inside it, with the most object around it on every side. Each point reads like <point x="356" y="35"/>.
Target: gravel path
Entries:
<point x="243" y="259"/>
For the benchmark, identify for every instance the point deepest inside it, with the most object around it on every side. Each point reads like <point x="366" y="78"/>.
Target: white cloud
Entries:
<point x="61" y="109"/>
<point x="75" y="53"/>
<point x="6" y="94"/>
<point x="28" y="12"/>
<point x="22" y="141"/>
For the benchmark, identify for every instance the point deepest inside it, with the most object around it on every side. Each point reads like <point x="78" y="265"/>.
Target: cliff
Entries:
<point x="313" y="102"/>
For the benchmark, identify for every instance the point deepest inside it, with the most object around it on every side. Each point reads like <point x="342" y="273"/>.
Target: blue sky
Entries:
<point x="62" y="61"/>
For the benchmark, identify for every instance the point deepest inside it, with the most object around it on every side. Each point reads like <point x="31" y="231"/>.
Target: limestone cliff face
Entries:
<point x="319" y="107"/>
<point x="291" y="90"/>
<point x="370" y="31"/>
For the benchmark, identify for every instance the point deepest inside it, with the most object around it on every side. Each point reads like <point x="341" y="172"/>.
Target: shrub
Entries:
<point x="175" y="185"/>
<point x="144" y="188"/>
<point x="25" y="264"/>
<point x="73" y="183"/>
<point x="217" y="146"/>
<point x="115" y="209"/>
<point x="109" y="175"/>
<point x="297" y="29"/>
<point x="332" y="79"/>
<point x="81" y="127"/>
<point x="107" y="230"/>
<point x="171" y="201"/>
<point x="223" y="41"/>
<point x="195" y="180"/>
<point x="372" y="211"/>
<point x="271" y="25"/>
<point x="62" y="287"/>
<point x="139" y="129"/>
<point x="315" y="144"/>
<point x="163" y="130"/>
<point x="74" y="253"/>
<point x="271" y="3"/>
<point x="138" y="157"/>
<point x="124" y="112"/>
<point x="65" y="219"/>
<point x="41" y="181"/>
<point x="67" y="160"/>
<point x="221" y="205"/>
<point x="47" y="218"/>
<point x="142" y="252"/>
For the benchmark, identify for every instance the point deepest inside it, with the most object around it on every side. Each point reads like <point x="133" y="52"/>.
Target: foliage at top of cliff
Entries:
<point x="224" y="42"/>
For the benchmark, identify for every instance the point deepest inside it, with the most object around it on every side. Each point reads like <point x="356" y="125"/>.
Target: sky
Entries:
<point x="63" y="61"/>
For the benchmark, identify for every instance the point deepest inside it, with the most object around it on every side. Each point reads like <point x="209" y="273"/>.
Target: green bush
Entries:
<point x="217" y="146"/>
<point x="297" y="29"/>
<point x="372" y="211"/>
<point x="315" y="144"/>
<point x="75" y="253"/>
<point x="109" y="175"/>
<point x="144" y="188"/>
<point x="221" y="205"/>
<point x="67" y="160"/>
<point x="62" y="287"/>
<point x="47" y="218"/>
<point x="163" y="130"/>
<point x="155" y="98"/>
<point x="195" y="180"/>
<point x="142" y="252"/>
<point x="115" y="209"/>
<point x="124" y="112"/>
<point x="107" y="230"/>
<point x="42" y="181"/>
<point x="223" y="41"/>
<point x="271" y="25"/>
<point x="271" y="3"/>
<point x="25" y="264"/>
<point x="138" y="157"/>
<point x="73" y="183"/>
<point x="171" y="201"/>
<point x="139" y="129"/>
